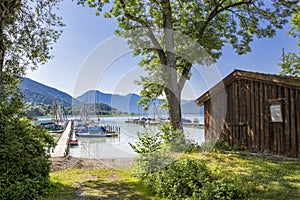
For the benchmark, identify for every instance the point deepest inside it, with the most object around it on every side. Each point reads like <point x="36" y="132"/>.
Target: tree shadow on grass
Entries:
<point x="61" y="192"/>
<point x="269" y="178"/>
<point x="99" y="189"/>
<point x="280" y="178"/>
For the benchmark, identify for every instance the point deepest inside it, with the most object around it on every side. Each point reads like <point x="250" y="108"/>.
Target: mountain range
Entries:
<point x="37" y="93"/>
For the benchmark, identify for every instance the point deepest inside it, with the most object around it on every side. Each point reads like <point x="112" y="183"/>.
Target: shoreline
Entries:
<point x="68" y="162"/>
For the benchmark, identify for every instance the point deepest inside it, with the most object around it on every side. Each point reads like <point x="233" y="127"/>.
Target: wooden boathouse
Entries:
<point x="258" y="111"/>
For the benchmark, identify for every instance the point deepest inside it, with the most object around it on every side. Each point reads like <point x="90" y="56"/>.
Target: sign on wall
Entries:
<point x="276" y="115"/>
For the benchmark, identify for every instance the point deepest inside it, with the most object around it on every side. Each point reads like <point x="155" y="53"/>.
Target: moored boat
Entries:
<point x="95" y="132"/>
<point x="73" y="141"/>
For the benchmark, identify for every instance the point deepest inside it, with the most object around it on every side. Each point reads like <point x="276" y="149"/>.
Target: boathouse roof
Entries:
<point x="292" y="82"/>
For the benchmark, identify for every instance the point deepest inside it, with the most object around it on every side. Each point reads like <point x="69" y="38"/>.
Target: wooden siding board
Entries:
<point x="252" y="125"/>
<point x="297" y="105"/>
<point x="273" y="137"/>
<point x="231" y="116"/>
<point x="287" y="132"/>
<point x="293" y="124"/>
<point x="248" y="114"/>
<point x="206" y="118"/>
<point x="243" y="112"/>
<point x="257" y="119"/>
<point x="261" y="119"/>
<point x="238" y="113"/>
<point x="282" y="146"/>
<point x="266" y="118"/>
<point x="234" y="100"/>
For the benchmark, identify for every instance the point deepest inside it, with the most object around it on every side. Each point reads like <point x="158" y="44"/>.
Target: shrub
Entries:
<point x="178" y="180"/>
<point x="24" y="166"/>
<point x="220" y="190"/>
<point x="215" y="144"/>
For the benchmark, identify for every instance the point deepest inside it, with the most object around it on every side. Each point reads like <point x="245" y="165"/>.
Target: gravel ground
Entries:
<point x="88" y="163"/>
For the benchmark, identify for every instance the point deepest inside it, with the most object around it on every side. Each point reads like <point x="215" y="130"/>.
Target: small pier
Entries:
<point x="62" y="147"/>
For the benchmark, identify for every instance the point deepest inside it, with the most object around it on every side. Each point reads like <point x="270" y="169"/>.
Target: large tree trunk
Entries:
<point x="171" y="88"/>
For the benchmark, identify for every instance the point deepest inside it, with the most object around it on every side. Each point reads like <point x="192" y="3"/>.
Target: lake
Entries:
<point x="118" y="147"/>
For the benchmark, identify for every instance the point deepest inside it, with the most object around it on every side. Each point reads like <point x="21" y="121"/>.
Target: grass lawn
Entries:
<point x="263" y="178"/>
<point x="105" y="183"/>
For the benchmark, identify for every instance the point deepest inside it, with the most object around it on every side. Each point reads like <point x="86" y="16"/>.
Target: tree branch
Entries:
<point x="184" y="76"/>
<point x="216" y="11"/>
<point x="150" y="33"/>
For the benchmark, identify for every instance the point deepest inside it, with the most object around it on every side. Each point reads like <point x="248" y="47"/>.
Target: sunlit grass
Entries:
<point x="105" y="183"/>
<point x="262" y="178"/>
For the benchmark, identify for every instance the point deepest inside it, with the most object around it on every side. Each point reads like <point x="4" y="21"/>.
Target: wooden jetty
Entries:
<point x="62" y="147"/>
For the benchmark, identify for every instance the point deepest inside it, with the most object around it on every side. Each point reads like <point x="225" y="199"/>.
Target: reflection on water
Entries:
<point x="118" y="147"/>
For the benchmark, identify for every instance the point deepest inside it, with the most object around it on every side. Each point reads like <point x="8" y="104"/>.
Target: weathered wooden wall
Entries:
<point x="248" y="121"/>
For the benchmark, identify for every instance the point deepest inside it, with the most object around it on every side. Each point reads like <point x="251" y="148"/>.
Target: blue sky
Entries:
<point x="84" y="32"/>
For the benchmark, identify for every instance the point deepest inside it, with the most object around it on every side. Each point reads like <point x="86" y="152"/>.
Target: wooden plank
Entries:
<point x="238" y="113"/>
<point x="248" y="114"/>
<point x="293" y="152"/>
<point x="261" y="117"/>
<point x="281" y="136"/>
<point x="257" y="113"/>
<point x="297" y="98"/>
<point x="277" y="129"/>
<point x="266" y="119"/>
<point x="62" y="145"/>
<point x="243" y="114"/>
<point x="273" y="139"/>
<point x="286" y="127"/>
<point x="252" y="115"/>
<point x="206" y="119"/>
<point x="234" y="104"/>
<point x="230" y="113"/>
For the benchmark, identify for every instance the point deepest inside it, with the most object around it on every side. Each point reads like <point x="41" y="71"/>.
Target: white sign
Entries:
<point x="276" y="113"/>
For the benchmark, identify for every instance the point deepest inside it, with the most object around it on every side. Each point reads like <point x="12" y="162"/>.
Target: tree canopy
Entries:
<point x="209" y="23"/>
<point x="291" y="61"/>
<point x="28" y="28"/>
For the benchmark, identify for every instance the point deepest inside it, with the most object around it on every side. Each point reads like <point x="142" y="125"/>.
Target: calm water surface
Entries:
<point x="118" y="147"/>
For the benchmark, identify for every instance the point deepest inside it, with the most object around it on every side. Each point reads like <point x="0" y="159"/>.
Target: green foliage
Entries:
<point x="160" y="170"/>
<point x="24" y="163"/>
<point x="291" y="65"/>
<point x="190" y="179"/>
<point x="290" y="62"/>
<point x="166" y="138"/>
<point x="222" y="145"/>
<point x="28" y="30"/>
<point x="221" y="190"/>
<point x="148" y="142"/>
<point x="201" y="30"/>
<point x="179" y="180"/>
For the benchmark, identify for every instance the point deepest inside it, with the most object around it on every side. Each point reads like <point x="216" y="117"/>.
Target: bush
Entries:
<point x="162" y="173"/>
<point x="178" y="180"/>
<point x="220" y="190"/>
<point x="215" y="144"/>
<point x="24" y="166"/>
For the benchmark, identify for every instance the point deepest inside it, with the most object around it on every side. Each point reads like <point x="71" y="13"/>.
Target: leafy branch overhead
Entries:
<point x="28" y="29"/>
<point x="291" y="61"/>
<point x="175" y="34"/>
